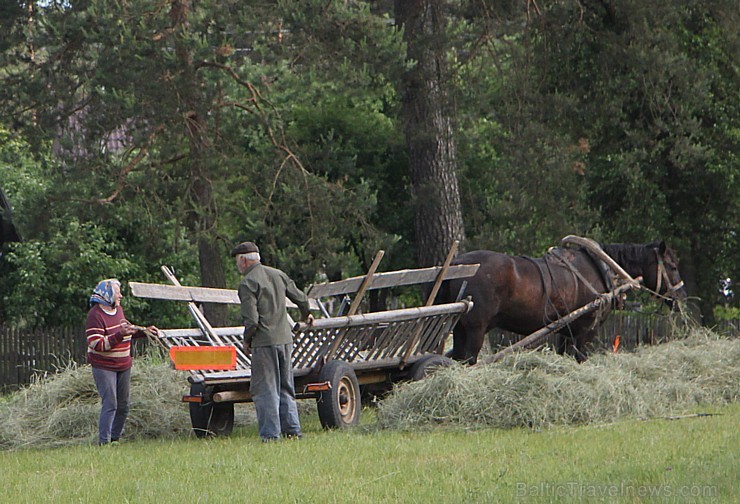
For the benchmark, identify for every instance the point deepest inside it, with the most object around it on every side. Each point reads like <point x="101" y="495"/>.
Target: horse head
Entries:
<point x="662" y="275"/>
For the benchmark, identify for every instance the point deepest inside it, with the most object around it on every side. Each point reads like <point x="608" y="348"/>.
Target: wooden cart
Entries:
<point x="335" y="359"/>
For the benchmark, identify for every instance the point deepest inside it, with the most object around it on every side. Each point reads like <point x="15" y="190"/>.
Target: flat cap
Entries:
<point x="244" y="248"/>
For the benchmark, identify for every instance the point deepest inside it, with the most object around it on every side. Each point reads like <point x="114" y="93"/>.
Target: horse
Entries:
<point x="521" y="294"/>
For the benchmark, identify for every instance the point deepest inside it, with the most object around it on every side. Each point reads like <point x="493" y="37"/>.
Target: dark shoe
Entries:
<point x="293" y="436"/>
<point x="270" y="439"/>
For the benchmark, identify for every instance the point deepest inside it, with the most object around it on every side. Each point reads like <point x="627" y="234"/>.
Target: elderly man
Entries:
<point x="269" y="339"/>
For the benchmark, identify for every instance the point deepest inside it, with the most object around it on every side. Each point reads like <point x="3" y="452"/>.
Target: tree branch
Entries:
<point x="121" y="182"/>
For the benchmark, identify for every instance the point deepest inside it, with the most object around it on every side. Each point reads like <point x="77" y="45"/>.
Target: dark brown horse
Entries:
<point x="522" y="294"/>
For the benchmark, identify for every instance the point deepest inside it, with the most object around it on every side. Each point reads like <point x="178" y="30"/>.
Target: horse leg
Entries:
<point x="572" y="344"/>
<point x="582" y="343"/>
<point x="561" y="342"/>
<point x="466" y="343"/>
<point x="458" y="338"/>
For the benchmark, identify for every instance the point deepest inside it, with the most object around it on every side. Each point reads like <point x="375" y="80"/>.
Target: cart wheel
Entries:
<point x="428" y="365"/>
<point x="210" y="419"/>
<point x="339" y="407"/>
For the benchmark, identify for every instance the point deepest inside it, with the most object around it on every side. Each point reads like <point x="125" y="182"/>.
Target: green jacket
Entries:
<point x="262" y="293"/>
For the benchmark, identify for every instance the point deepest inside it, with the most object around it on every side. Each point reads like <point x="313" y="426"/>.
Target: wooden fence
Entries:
<point x="634" y="329"/>
<point x="25" y="353"/>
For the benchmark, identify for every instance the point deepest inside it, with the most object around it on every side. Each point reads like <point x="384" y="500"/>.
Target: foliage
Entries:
<point x="129" y="174"/>
<point x="163" y="141"/>
<point x="24" y="180"/>
<point x="650" y="89"/>
<point x="726" y="313"/>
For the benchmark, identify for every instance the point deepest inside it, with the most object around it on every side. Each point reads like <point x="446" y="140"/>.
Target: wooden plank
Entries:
<point x="366" y="282"/>
<point x="430" y="300"/>
<point x="181" y="293"/>
<point x="391" y="279"/>
<point x="194" y="332"/>
<point x="401" y="315"/>
<point x="197" y="314"/>
<point x="195" y="294"/>
<point x="442" y="273"/>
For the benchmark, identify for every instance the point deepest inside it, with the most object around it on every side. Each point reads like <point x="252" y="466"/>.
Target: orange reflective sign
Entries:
<point x="220" y="358"/>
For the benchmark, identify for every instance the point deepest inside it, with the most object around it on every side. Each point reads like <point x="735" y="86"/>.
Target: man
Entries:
<point x="269" y="339"/>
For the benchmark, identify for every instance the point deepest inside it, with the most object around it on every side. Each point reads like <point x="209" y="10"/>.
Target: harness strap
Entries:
<point x="663" y="275"/>
<point x="569" y="265"/>
<point x="545" y="284"/>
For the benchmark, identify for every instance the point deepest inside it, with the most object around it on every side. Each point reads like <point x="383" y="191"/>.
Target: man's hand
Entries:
<point x="309" y="319"/>
<point x="249" y="332"/>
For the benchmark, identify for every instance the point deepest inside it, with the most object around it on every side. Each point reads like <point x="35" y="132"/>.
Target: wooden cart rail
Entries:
<point x="388" y="279"/>
<point x="376" y="336"/>
<point x="196" y="294"/>
<point x="379" y="339"/>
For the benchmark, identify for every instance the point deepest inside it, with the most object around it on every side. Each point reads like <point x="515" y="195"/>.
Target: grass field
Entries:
<point x="692" y="459"/>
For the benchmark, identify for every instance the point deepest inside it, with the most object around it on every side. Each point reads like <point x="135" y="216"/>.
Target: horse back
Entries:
<point x="522" y="294"/>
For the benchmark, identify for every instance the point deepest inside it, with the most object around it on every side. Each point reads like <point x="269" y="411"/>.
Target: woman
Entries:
<point x="109" y="337"/>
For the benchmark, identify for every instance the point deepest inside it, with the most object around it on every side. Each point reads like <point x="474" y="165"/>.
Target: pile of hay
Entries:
<point x="63" y="408"/>
<point x="537" y="389"/>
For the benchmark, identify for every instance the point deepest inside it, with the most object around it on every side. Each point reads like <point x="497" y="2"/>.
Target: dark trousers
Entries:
<point x="273" y="391"/>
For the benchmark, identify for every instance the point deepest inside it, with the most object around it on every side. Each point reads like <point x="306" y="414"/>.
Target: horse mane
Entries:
<point x="631" y="256"/>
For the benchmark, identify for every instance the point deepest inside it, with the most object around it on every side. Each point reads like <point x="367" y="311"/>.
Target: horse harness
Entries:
<point x="662" y="274"/>
<point x="602" y="269"/>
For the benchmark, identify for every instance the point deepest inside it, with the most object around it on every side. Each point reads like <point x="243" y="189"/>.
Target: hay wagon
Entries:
<point x="336" y="360"/>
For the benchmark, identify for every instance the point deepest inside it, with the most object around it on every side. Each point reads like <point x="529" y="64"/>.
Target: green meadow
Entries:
<point x="689" y="459"/>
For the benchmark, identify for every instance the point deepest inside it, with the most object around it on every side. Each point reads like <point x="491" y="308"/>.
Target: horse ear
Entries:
<point x="662" y="247"/>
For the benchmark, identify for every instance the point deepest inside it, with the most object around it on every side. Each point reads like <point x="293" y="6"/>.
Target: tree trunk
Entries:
<point x="431" y="146"/>
<point x="202" y="215"/>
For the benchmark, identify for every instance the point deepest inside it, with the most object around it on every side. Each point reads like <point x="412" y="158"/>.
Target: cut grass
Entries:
<point x="458" y="459"/>
<point x="539" y="389"/>
<point x="689" y="460"/>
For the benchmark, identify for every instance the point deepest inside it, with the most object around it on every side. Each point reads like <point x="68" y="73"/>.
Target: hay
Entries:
<point x="541" y="389"/>
<point x="63" y="408"/>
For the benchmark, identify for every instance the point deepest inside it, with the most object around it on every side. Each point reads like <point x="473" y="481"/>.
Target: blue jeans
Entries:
<point x="273" y="391"/>
<point x="113" y="387"/>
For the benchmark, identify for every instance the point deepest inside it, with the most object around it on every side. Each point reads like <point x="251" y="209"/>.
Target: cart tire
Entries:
<point x="209" y="418"/>
<point x="340" y="406"/>
<point x="428" y="365"/>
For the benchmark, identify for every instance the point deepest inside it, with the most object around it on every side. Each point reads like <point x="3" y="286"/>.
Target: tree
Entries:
<point x="427" y="117"/>
<point x="186" y="121"/>
<point x="651" y="88"/>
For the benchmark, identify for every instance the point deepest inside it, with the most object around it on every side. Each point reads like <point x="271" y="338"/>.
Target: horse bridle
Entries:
<point x="663" y="275"/>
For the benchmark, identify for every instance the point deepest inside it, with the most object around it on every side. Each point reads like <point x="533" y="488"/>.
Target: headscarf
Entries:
<point x="103" y="292"/>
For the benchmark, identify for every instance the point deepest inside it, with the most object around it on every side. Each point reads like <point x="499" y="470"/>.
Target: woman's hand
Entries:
<point x="127" y="329"/>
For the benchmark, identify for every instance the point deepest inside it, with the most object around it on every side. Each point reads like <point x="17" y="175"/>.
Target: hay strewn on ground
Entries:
<point x="63" y="409"/>
<point x="539" y="389"/>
